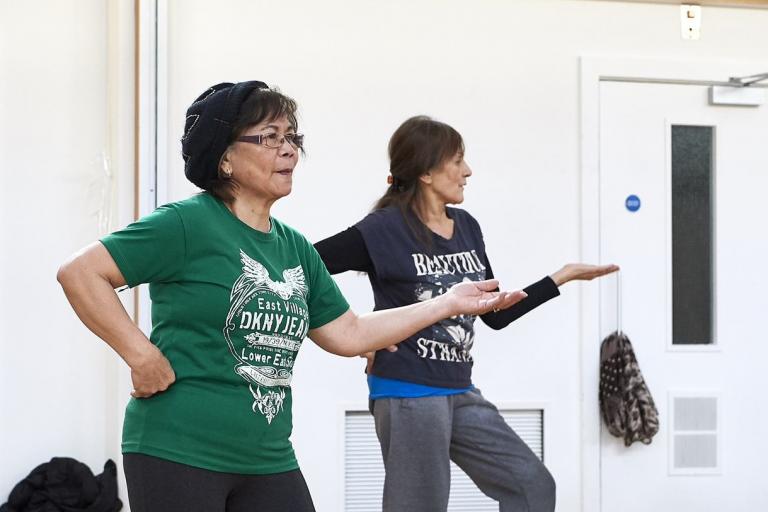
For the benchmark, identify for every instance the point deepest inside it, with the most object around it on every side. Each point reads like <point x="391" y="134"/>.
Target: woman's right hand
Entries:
<point x="581" y="272"/>
<point x="151" y="374"/>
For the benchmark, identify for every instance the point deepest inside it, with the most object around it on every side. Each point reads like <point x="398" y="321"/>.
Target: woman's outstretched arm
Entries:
<point x="351" y="335"/>
<point x="543" y="290"/>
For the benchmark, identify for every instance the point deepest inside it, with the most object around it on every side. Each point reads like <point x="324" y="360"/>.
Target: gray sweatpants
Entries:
<point x="419" y="436"/>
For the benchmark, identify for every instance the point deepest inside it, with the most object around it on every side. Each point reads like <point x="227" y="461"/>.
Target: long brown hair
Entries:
<point x="418" y="145"/>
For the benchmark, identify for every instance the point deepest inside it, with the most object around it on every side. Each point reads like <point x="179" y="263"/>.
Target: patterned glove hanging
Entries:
<point x="626" y="404"/>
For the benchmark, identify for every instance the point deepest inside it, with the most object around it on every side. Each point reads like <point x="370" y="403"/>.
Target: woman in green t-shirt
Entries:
<point x="234" y="293"/>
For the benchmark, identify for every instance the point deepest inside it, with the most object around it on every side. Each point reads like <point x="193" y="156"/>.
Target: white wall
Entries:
<point x="58" y="93"/>
<point x="505" y="74"/>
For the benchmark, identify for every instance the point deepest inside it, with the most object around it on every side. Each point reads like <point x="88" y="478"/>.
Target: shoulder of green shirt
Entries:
<point x="134" y="243"/>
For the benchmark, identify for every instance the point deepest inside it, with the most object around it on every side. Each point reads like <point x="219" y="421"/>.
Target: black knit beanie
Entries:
<point x="208" y="127"/>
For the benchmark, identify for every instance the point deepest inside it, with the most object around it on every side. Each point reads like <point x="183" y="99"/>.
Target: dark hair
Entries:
<point x="419" y="145"/>
<point x="261" y="105"/>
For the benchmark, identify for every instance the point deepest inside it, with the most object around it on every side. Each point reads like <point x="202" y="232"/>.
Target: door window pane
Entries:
<point x="692" y="236"/>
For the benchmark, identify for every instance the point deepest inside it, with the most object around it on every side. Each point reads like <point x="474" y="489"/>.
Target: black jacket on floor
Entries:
<point x="65" y="485"/>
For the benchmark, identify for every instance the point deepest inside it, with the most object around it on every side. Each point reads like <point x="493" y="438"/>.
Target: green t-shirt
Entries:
<point x="230" y="308"/>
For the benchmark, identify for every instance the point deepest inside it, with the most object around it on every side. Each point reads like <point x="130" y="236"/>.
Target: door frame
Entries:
<point x="593" y="71"/>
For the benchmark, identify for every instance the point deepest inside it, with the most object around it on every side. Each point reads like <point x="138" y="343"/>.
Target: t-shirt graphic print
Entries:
<point x="265" y="326"/>
<point x="451" y="339"/>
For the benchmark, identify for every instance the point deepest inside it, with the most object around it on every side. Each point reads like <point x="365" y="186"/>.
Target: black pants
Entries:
<point x="159" y="485"/>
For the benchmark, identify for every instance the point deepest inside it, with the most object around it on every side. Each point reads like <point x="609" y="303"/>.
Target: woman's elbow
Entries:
<point x="64" y="274"/>
<point x="334" y="345"/>
<point x="344" y="350"/>
<point x="69" y="272"/>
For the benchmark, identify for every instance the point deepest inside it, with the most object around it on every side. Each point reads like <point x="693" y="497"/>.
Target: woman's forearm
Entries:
<point x="380" y="329"/>
<point x="351" y="335"/>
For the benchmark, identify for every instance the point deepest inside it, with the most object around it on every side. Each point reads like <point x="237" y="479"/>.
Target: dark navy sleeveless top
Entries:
<point x="405" y="271"/>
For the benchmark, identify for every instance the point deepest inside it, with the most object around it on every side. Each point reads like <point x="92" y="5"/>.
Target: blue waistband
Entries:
<point x="380" y="387"/>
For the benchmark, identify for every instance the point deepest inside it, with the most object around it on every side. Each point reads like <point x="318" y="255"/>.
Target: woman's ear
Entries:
<point x="225" y="165"/>
<point x="426" y="178"/>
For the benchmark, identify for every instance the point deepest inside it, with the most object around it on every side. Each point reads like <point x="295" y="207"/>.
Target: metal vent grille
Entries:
<point x="364" y="470"/>
<point x="695" y="435"/>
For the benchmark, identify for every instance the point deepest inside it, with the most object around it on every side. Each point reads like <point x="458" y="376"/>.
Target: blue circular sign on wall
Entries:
<point x="632" y="203"/>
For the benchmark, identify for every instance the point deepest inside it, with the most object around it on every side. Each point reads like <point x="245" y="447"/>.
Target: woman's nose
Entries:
<point x="286" y="149"/>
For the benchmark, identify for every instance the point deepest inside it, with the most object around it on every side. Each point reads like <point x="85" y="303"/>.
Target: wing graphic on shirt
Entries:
<point x="251" y="281"/>
<point x="255" y="278"/>
<point x="294" y="279"/>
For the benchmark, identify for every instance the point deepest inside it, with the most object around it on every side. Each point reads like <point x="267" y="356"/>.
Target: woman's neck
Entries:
<point x="432" y="212"/>
<point x="253" y="212"/>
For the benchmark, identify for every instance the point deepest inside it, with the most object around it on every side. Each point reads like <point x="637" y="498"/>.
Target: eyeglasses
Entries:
<point x="273" y="140"/>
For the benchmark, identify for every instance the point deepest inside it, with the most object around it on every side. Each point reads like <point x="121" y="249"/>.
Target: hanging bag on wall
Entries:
<point x="626" y="404"/>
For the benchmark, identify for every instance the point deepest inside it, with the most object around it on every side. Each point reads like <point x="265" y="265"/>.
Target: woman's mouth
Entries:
<point x="285" y="172"/>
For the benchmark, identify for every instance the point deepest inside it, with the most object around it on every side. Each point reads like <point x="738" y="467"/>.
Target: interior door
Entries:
<point x="683" y="212"/>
